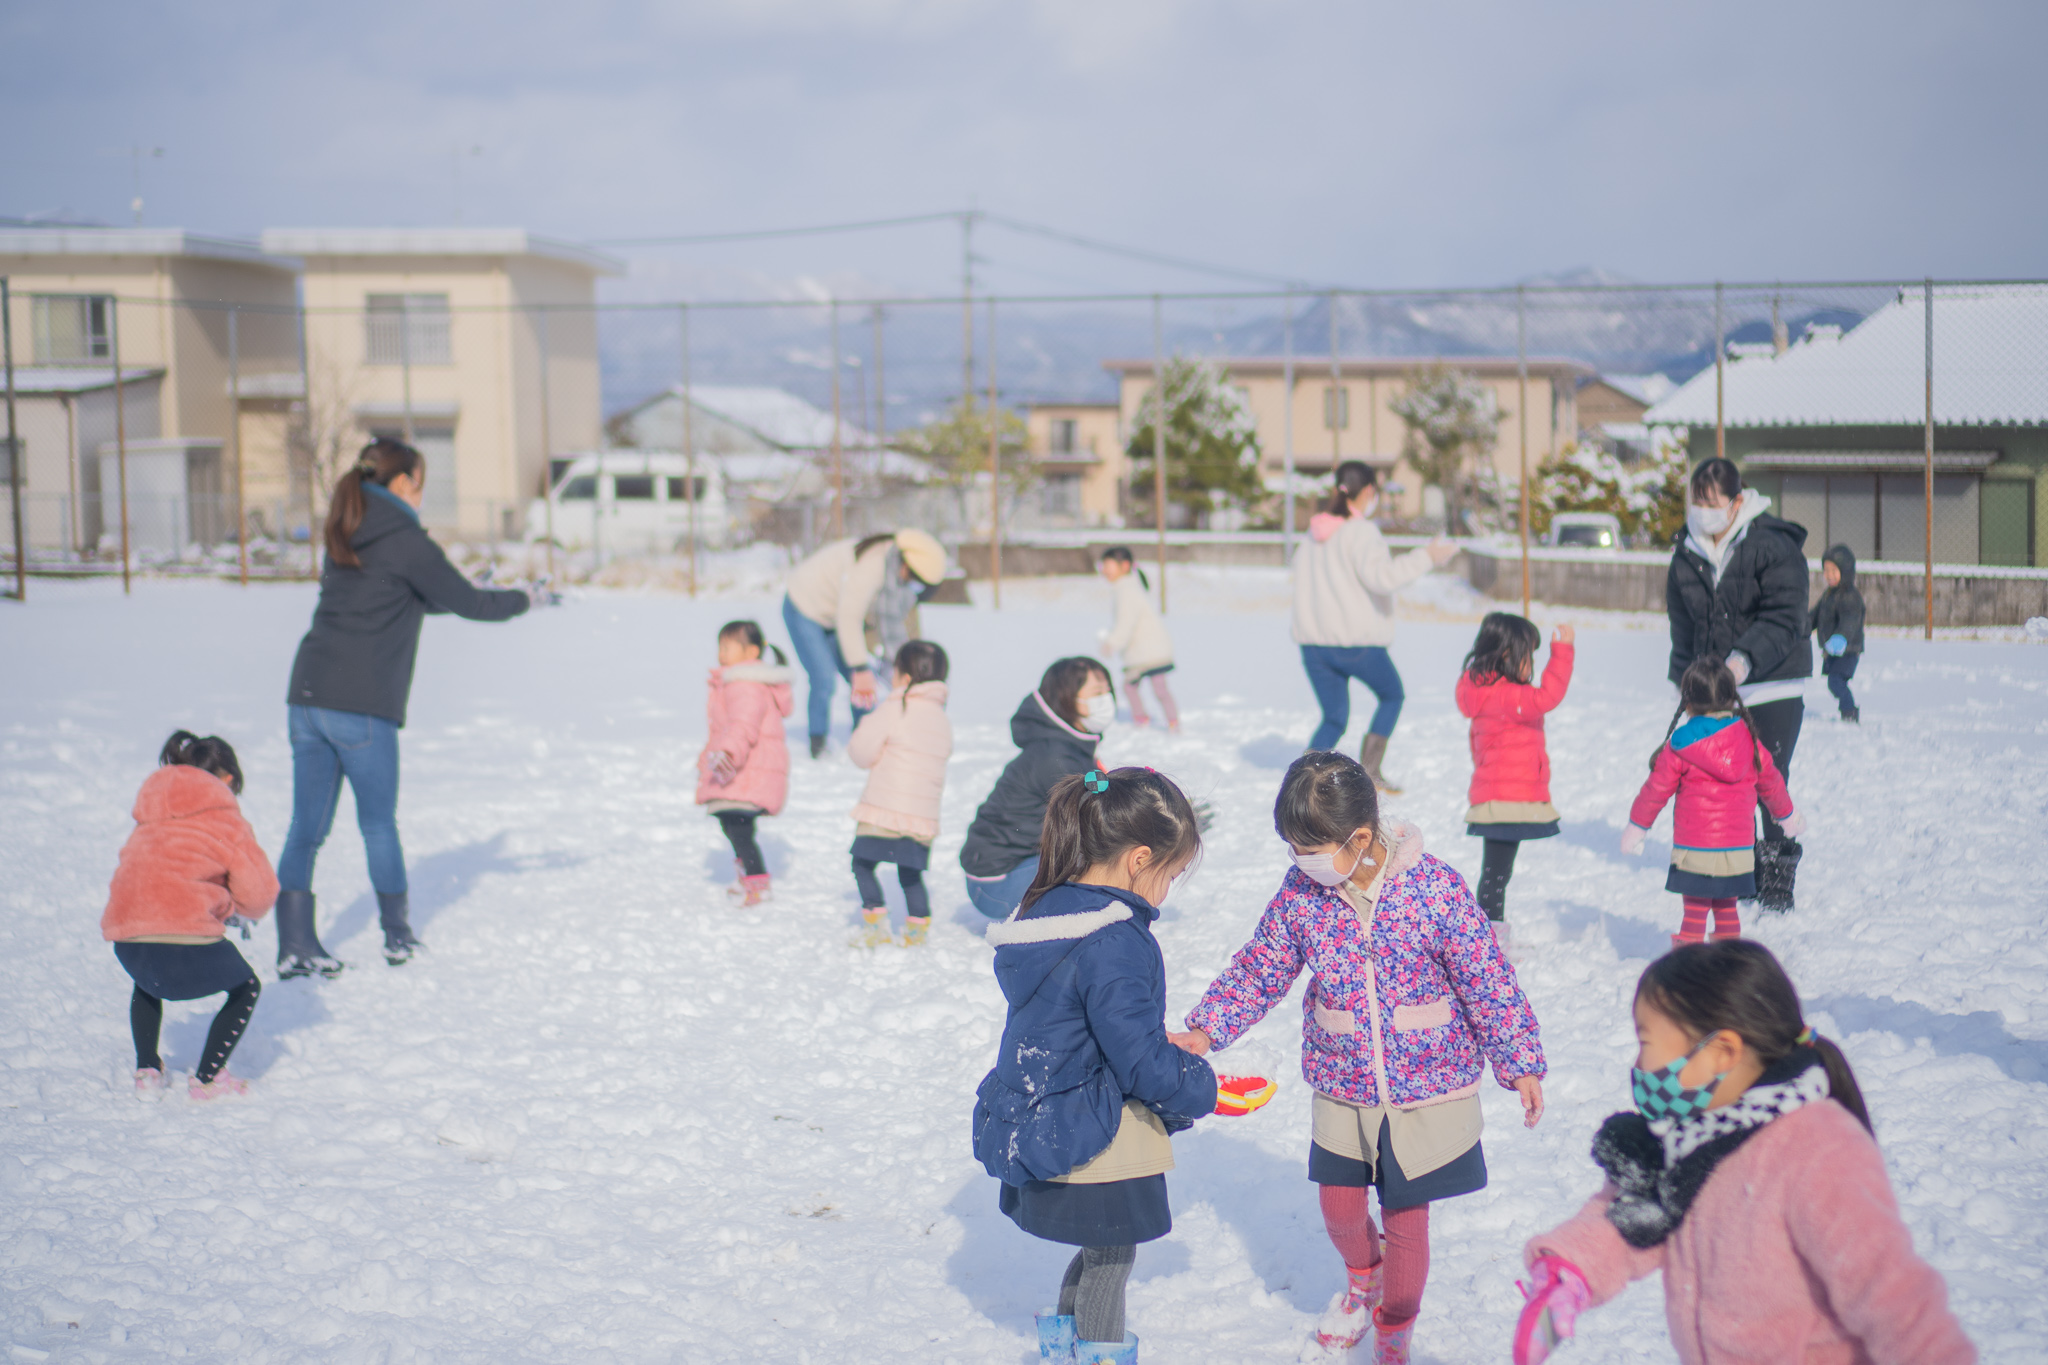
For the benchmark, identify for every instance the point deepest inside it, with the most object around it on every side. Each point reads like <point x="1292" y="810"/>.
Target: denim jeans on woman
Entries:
<point x="328" y="746"/>
<point x="1330" y="670"/>
<point x="817" y="649"/>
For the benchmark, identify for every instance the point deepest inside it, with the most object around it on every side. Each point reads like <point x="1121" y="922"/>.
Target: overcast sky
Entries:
<point x="1332" y="141"/>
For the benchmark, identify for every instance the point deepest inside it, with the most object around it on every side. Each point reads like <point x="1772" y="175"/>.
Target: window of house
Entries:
<point x="71" y="327"/>
<point x="1336" y="407"/>
<point x="680" y="491"/>
<point x="583" y="487"/>
<point x="1060" y="495"/>
<point x="408" y="328"/>
<point x="1062" y="438"/>
<point x="633" y="487"/>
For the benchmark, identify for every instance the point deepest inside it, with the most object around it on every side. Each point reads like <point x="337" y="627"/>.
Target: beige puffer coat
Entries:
<point x="904" y="744"/>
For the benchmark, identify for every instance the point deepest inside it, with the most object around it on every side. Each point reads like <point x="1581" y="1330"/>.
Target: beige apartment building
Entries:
<point x="1347" y="416"/>
<point x="480" y="344"/>
<point x="1079" y="451"/>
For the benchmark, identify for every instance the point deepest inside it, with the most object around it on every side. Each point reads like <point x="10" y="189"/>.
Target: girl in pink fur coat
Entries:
<point x="904" y="744"/>
<point x="1747" y="1173"/>
<point x="743" y="773"/>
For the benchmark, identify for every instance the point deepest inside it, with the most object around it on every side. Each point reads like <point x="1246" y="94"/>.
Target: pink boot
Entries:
<point x="1392" y="1344"/>
<point x="754" y="890"/>
<point x="150" y="1083"/>
<point x="1349" y="1317"/>
<point x="219" y="1087"/>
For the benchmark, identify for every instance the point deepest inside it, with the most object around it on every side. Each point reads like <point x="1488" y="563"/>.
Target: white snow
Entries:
<point x="607" y="1118"/>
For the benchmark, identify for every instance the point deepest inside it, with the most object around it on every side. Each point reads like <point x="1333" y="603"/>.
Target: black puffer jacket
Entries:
<point x="1840" y="609"/>
<point x="1759" y="607"/>
<point x="1005" y="829"/>
<point x="359" y="654"/>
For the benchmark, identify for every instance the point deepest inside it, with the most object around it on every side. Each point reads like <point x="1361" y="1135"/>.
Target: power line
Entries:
<point x="1136" y="253"/>
<point x="760" y="234"/>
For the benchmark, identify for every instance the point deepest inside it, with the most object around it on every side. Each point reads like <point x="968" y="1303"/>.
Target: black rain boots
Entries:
<point x="1777" y="866"/>
<point x="399" y="944"/>
<point x="298" y="947"/>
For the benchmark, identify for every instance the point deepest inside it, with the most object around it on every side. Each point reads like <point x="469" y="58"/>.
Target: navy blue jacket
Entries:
<point x="1087" y="1027"/>
<point x="1005" y="829"/>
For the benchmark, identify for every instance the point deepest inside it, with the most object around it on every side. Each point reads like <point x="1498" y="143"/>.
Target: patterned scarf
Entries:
<point x="893" y="605"/>
<point x="1659" y="1168"/>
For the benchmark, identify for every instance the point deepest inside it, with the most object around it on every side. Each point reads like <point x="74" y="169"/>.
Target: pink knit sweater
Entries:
<point x="1793" y="1251"/>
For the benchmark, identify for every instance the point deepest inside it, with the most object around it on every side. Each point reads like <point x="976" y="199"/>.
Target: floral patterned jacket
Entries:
<point x="1410" y="1004"/>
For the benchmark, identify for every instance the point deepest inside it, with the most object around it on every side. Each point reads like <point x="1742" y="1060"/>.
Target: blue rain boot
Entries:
<point x="1123" y="1352"/>
<point x="1055" y="1336"/>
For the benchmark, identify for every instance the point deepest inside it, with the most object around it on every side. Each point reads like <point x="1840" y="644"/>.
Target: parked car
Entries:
<point x="1584" y="531"/>
<point x="633" y="501"/>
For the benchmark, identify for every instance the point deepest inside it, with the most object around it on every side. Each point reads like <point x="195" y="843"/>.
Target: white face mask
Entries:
<point x="1321" y="868"/>
<point x="1370" y="509"/>
<point x="1097" y="712"/>
<point x="1708" y="522"/>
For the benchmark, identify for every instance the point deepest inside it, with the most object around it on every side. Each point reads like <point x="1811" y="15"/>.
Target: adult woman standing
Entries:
<point x="827" y="603"/>
<point x="349" y="688"/>
<point x="1737" y="588"/>
<point x="1345" y="579"/>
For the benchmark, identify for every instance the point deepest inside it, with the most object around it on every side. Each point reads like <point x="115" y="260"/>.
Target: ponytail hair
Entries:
<point x="1736" y="984"/>
<point x="381" y="461"/>
<point x="1095" y="817"/>
<point x="749" y="632"/>
<point x="1353" y="478"/>
<point x="1707" y="686"/>
<point x="210" y="754"/>
<point x="1122" y="555"/>
<point x="921" y="661"/>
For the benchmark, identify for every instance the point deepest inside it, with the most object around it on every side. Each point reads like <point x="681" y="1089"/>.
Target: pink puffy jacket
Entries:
<point x="1793" y="1251"/>
<point x="1718" y="771"/>
<point x="904" y="744"/>
<point x="745" y="710"/>
<point x="190" y="862"/>
<point x="1509" y="761"/>
<point x="1418" y="999"/>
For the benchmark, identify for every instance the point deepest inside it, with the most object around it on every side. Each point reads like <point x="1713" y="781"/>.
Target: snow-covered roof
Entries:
<point x="777" y="416"/>
<point x="31" y="379"/>
<point x="113" y="241"/>
<point x="1644" y="388"/>
<point x="1990" y="368"/>
<point x="447" y="241"/>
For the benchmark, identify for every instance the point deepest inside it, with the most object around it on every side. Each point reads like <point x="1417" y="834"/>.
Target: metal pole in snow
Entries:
<point x="120" y="433"/>
<point x="1287" y="428"/>
<point x="995" y="469"/>
<point x="14" y="471"/>
<point x="1720" y="381"/>
<point x="235" y="436"/>
<point x="547" y="455"/>
<point x="838" y="452"/>
<point x="1522" y="414"/>
<point x="313" y="530"/>
<point x="690" y="447"/>
<point x="1928" y="348"/>
<point x="1159" y="444"/>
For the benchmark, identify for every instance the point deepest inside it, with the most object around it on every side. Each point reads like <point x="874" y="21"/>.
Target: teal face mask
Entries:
<point x="1660" y="1095"/>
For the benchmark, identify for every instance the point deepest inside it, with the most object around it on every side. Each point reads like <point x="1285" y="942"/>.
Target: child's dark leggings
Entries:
<point x="739" y="832"/>
<point x="916" y="902"/>
<point x="1494" y="870"/>
<point x="1839" y="671"/>
<point x="1093" y="1291"/>
<point x="146" y="1021"/>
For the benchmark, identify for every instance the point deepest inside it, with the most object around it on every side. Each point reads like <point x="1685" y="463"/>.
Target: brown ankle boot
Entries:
<point x="1371" y="750"/>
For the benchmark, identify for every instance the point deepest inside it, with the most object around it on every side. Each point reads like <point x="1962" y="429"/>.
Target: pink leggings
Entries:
<point x="1727" y="920"/>
<point x="1349" y="1221"/>
<point x="1159" y="690"/>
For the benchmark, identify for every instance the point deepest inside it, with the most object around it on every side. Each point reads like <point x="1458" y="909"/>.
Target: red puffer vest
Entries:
<point x="1509" y="761"/>
<point x="1718" y="770"/>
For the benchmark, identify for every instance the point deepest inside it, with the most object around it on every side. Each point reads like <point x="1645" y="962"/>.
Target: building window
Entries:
<point x="680" y="490"/>
<point x="72" y="327"/>
<point x="1062" y="438"/>
<point x="633" y="487"/>
<point x="1336" y="408"/>
<point x="1060" y="495"/>
<point x="408" y="328"/>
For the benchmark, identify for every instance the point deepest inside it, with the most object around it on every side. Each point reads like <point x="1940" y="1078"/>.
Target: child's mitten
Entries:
<point x="1632" y="840"/>
<point x="722" y="769"/>
<point x="1794" y="825"/>
<point x="1556" y="1292"/>
<point x="1837" y="645"/>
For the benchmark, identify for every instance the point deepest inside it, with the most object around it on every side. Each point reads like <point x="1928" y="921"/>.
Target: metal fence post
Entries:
<point x="995" y="468"/>
<point x="881" y="412"/>
<point x="120" y="434"/>
<point x="1720" y="380"/>
<point x="313" y="530"/>
<point x="1287" y="428"/>
<point x="1928" y="348"/>
<point x="235" y="436"/>
<point x="689" y="446"/>
<point x="838" y="444"/>
<point x="1159" y="442"/>
<point x="1522" y="416"/>
<point x="13" y="442"/>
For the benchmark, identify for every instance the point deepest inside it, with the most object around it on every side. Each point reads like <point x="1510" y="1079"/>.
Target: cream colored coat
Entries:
<point x="1137" y="633"/>
<point x="835" y="589"/>
<point x="1344" y="586"/>
<point x="904" y="744"/>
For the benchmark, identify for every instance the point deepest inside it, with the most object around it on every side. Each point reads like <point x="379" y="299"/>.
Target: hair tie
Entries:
<point x="1095" y="782"/>
<point x="1805" y="1038"/>
<point x="366" y="469"/>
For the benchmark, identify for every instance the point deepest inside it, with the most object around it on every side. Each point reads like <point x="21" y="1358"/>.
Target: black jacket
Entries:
<point x="1759" y="607"/>
<point x="1840" y="609"/>
<point x="358" y="656"/>
<point x="1005" y="829"/>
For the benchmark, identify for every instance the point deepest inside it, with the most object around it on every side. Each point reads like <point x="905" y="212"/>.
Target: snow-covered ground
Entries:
<point x="606" y="1118"/>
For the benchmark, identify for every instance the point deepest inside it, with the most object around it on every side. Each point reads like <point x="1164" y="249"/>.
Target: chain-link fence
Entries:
<point x="1907" y="420"/>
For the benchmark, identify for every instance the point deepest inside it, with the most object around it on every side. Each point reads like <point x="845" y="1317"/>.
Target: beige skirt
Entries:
<point x="1425" y="1139"/>
<point x="1141" y="1147"/>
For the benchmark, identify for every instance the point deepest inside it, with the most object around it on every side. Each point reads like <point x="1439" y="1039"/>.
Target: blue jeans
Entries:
<point x="817" y="649"/>
<point x="996" y="897"/>
<point x="326" y="747"/>
<point x="1330" y="671"/>
<point x="1838" y="670"/>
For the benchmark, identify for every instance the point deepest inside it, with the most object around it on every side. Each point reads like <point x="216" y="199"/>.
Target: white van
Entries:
<point x="1584" y="531"/>
<point x="633" y="502"/>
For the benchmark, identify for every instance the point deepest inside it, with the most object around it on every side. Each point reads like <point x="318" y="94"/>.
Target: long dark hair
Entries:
<point x="921" y="661"/>
<point x="1506" y="648"/>
<point x="749" y="632"/>
<point x="1736" y="984"/>
<point x="1325" y="798"/>
<point x="1122" y="555"/>
<point x="1715" y="474"/>
<point x="1705" y="687"/>
<point x="381" y="461"/>
<point x="1353" y="478"/>
<point x="1060" y="688"/>
<point x="1091" y="818"/>
<point x="210" y="753"/>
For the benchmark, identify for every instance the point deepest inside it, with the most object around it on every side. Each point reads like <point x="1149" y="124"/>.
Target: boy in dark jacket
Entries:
<point x="1837" y="622"/>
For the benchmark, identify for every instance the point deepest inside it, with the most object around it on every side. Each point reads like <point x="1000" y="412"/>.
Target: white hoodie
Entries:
<point x="1345" y="579"/>
<point x="1137" y="632"/>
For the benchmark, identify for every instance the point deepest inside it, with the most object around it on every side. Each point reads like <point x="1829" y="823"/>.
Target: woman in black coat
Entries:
<point x="346" y="703"/>
<point x="1737" y="588"/>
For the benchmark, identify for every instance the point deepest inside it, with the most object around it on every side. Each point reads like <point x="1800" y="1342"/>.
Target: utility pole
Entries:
<point x="838" y="453"/>
<point x="120" y="435"/>
<point x="967" y="310"/>
<point x="1287" y="428"/>
<point x="1720" y="380"/>
<point x="995" y="468"/>
<point x="405" y="360"/>
<point x="13" y="441"/>
<point x="1159" y="443"/>
<point x="547" y="457"/>
<point x="1335" y="411"/>
<point x="235" y="440"/>
<point x="1928" y="347"/>
<point x="1522" y="416"/>
<point x="313" y="533"/>
<point x="689" y="446"/>
<point x="881" y="411"/>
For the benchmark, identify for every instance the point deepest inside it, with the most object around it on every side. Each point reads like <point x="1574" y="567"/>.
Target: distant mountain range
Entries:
<point x="1055" y="352"/>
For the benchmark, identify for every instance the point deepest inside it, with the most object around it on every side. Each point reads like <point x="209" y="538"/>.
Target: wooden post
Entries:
<point x="881" y="413"/>
<point x="1720" y="380"/>
<point x="1287" y="429"/>
<point x="1522" y="412"/>
<point x="838" y="453"/>
<point x="995" y="469"/>
<point x="547" y="457"/>
<point x="1928" y="348"/>
<point x="689" y="446"/>
<point x="120" y="435"/>
<point x="14" y="458"/>
<point x="1159" y="443"/>
<point x="313" y="535"/>
<point x="235" y="436"/>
